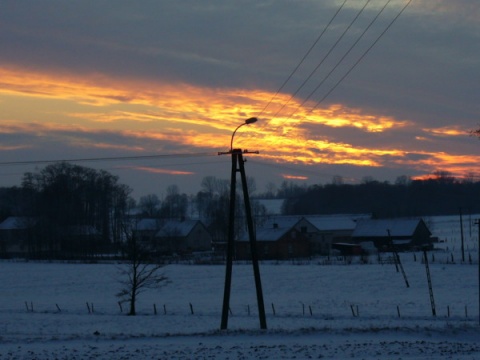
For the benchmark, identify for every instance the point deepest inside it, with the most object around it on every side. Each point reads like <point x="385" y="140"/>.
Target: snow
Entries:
<point x="310" y="309"/>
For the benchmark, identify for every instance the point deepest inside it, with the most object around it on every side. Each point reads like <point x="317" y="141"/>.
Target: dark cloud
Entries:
<point x="423" y="71"/>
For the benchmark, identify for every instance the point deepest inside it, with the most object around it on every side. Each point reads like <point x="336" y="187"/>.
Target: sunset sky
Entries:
<point x="376" y="95"/>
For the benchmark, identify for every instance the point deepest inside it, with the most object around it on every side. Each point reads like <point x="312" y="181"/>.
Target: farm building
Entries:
<point x="17" y="236"/>
<point x="280" y="238"/>
<point x="321" y="231"/>
<point x="330" y="229"/>
<point x="183" y="237"/>
<point x="404" y="234"/>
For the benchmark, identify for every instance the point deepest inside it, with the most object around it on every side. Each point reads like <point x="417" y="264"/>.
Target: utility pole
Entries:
<point x="477" y="222"/>
<point x="396" y="258"/>
<point x="461" y="235"/>
<point x="429" y="280"/>
<point x="239" y="166"/>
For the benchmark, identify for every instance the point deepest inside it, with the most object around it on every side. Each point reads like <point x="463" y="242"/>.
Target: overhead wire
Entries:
<point x="303" y="58"/>
<point x="112" y="158"/>
<point x="354" y="44"/>
<point x="335" y="44"/>
<point x="361" y="57"/>
<point x="343" y="57"/>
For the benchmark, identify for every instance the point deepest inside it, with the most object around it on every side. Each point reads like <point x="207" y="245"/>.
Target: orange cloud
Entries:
<point x="13" y="147"/>
<point x="448" y="131"/>
<point x="294" y="177"/>
<point x="190" y="116"/>
<point x="161" y="171"/>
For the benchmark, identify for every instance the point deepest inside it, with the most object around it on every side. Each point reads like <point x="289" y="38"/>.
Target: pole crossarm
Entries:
<point x="238" y="150"/>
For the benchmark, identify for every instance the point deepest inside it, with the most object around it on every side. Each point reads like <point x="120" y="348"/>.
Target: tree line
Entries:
<point x="441" y="194"/>
<point x="82" y="212"/>
<point x="78" y="212"/>
<point x="72" y="209"/>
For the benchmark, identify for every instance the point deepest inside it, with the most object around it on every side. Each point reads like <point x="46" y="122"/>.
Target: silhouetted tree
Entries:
<point x="440" y="195"/>
<point x="68" y="198"/>
<point x="175" y="205"/>
<point x="149" y="205"/>
<point x="140" y="272"/>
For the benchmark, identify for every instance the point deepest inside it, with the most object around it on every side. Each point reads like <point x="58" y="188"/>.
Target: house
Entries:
<point x="279" y="238"/>
<point x="321" y="231"/>
<point x="146" y="229"/>
<point x="329" y="229"/>
<point x="404" y="234"/>
<point x="183" y="237"/>
<point x="17" y="237"/>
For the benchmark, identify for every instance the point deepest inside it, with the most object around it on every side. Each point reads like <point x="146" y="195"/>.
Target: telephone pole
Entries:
<point x="238" y="165"/>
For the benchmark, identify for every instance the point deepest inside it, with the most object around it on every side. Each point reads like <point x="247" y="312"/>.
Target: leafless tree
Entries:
<point x="140" y="272"/>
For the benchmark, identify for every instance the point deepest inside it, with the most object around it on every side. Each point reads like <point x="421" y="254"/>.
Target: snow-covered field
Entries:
<point x="310" y="310"/>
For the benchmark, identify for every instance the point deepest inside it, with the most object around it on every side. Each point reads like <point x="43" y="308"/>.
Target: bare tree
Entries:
<point x="140" y="272"/>
<point x="149" y="205"/>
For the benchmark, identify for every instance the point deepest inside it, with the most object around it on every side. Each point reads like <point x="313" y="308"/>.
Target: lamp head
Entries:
<point x="251" y="120"/>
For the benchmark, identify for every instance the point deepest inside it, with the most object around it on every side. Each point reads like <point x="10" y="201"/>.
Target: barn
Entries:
<point x="279" y="239"/>
<point x="403" y="234"/>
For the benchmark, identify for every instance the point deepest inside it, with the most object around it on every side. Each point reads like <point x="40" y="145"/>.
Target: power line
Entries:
<point x="113" y="158"/>
<point x="342" y="58"/>
<point x="362" y="56"/>
<point x="323" y="59"/>
<point x="303" y="59"/>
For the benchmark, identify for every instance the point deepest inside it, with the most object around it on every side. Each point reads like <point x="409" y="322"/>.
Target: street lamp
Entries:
<point x="238" y="166"/>
<point x="248" y="121"/>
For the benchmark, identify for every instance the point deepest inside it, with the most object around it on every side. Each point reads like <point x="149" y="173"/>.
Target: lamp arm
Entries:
<point x="231" y="141"/>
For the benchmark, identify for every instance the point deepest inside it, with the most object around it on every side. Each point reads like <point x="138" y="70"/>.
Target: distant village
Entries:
<point x="68" y="212"/>
<point x="278" y="237"/>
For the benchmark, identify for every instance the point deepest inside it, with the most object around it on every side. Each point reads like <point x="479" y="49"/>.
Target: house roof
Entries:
<point x="177" y="228"/>
<point x="274" y="228"/>
<point x="17" y="223"/>
<point x="147" y="224"/>
<point x="321" y="222"/>
<point x="335" y="222"/>
<point x="380" y="228"/>
<point x="270" y="234"/>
